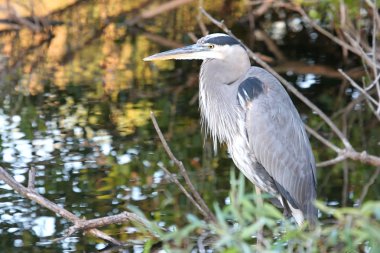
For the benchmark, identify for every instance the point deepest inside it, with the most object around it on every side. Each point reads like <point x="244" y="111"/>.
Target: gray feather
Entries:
<point x="278" y="141"/>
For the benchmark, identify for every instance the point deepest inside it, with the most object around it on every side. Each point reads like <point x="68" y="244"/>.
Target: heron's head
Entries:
<point x="213" y="46"/>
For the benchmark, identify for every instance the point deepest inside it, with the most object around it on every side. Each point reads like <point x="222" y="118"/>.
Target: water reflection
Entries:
<point x="44" y="226"/>
<point x="306" y="81"/>
<point x="76" y="106"/>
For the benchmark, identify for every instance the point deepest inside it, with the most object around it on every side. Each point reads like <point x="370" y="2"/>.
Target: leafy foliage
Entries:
<point x="238" y="223"/>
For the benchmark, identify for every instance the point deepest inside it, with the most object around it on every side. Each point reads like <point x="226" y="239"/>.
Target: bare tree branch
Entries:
<point x="156" y="10"/>
<point x="361" y="156"/>
<point x="353" y="49"/>
<point x="345" y="183"/>
<point x="370" y="100"/>
<point x="183" y="189"/>
<point x="333" y="161"/>
<point x="374" y="52"/>
<point x="108" y="220"/>
<point x="356" y="86"/>
<point x="80" y="224"/>
<point x="167" y="6"/>
<point x="32" y="178"/>
<point x="263" y="8"/>
<point x="197" y="200"/>
<point x="201" y="24"/>
<point x="373" y="83"/>
<point x="322" y="139"/>
<point x="367" y="185"/>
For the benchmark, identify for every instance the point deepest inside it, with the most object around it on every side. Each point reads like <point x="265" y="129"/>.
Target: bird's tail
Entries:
<point x="311" y="214"/>
<point x="308" y="212"/>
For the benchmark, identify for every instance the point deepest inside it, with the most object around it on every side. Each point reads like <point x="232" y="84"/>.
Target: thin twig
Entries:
<point x="165" y="7"/>
<point x="373" y="83"/>
<point x="32" y="178"/>
<point x="270" y="44"/>
<point x="356" y="86"/>
<point x="201" y="24"/>
<point x="367" y="185"/>
<point x="154" y="10"/>
<point x="374" y="51"/>
<point x="333" y="161"/>
<point x="345" y="183"/>
<point x="197" y="200"/>
<point x="353" y="49"/>
<point x="263" y="8"/>
<point x="366" y="95"/>
<point x="322" y="139"/>
<point x="108" y="220"/>
<point x="183" y="189"/>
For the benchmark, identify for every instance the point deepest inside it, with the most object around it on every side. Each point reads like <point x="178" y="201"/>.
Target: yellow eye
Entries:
<point x="211" y="46"/>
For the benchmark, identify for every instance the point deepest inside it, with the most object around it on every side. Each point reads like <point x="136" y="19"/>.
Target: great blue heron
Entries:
<point x="248" y="109"/>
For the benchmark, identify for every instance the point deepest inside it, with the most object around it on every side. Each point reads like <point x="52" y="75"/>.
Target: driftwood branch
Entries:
<point x="194" y="197"/>
<point x="79" y="224"/>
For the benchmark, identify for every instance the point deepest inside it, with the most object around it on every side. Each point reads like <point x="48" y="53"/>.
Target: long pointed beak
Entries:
<point x="185" y="53"/>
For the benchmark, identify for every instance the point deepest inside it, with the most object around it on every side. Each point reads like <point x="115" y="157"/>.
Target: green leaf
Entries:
<point x="314" y="14"/>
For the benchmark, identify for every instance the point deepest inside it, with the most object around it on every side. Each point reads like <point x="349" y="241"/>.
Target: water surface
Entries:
<point x="76" y="107"/>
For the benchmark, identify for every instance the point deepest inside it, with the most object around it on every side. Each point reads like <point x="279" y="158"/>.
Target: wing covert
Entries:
<point x="277" y="139"/>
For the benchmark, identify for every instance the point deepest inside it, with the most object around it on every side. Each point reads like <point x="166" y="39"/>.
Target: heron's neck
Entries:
<point x="225" y="71"/>
<point x="218" y="88"/>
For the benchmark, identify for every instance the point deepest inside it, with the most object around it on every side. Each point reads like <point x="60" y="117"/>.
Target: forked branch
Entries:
<point x="193" y="195"/>
<point x="79" y="224"/>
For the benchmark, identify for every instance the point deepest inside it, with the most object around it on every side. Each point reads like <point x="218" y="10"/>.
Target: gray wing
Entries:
<point x="277" y="139"/>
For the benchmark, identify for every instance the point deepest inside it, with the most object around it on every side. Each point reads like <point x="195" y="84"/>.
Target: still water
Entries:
<point x="76" y="107"/>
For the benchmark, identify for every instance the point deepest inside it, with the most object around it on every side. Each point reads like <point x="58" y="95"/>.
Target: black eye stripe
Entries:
<point x="222" y="40"/>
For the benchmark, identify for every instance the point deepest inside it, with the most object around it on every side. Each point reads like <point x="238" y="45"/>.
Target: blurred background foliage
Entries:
<point x="75" y="103"/>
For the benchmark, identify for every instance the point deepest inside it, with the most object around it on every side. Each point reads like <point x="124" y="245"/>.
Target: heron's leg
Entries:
<point x="259" y="198"/>
<point x="259" y="235"/>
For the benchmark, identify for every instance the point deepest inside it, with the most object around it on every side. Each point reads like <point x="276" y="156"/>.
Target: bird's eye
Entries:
<point x="211" y="46"/>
